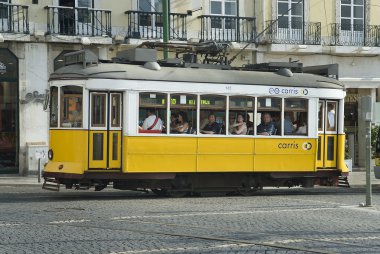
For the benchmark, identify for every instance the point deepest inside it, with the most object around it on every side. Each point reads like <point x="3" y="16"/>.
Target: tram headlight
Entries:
<point x="50" y="154"/>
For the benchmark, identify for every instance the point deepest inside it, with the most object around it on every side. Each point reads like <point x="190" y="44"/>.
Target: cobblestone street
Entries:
<point x="320" y="220"/>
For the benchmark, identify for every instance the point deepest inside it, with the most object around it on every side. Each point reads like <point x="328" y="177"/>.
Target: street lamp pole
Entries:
<point x="366" y="106"/>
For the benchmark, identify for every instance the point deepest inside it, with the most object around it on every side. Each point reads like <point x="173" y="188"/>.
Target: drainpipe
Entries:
<point x="165" y="14"/>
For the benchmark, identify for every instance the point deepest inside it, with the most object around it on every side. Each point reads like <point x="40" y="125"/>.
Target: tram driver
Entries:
<point x="267" y="127"/>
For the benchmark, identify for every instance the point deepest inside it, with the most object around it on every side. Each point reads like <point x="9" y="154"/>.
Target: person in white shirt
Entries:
<point x="152" y="122"/>
<point x="331" y="117"/>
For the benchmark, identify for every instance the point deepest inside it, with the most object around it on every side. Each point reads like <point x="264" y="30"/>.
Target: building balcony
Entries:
<point x="355" y="35"/>
<point x="14" y="18"/>
<point x="227" y="28"/>
<point x="300" y="33"/>
<point x="149" y="25"/>
<point x="78" y="21"/>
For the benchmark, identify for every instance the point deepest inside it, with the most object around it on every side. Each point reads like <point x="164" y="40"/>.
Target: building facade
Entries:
<point x="35" y="34"/>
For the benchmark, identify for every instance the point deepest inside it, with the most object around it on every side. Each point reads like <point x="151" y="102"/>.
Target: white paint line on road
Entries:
<point x="312" y="201"/>
<point x="166" y="250"/>
<point x="68" y="221"/>
<point x="2" y="224"/>
<point x="337" y="239"/>
<point x="224" y="213"/>
<point x="361" y="209"/>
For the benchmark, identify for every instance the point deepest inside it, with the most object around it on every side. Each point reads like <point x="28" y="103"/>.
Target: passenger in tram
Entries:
<point x="204" y="119"/>
<point x="240" y="128"/>
<point x="267" y="127"/>
<point x="212" y="127"/>
<point x="276" y="119"/>
<point x="173" y="122"/>
<point x="301" y="126"/>
<point x="250" y="126"/>
<point x="288" y="124"/>
<point x="183" y="123"/>
<point x="331" y="117"/>
<point x="152" y="122"/>
<point x="232" y="121"/>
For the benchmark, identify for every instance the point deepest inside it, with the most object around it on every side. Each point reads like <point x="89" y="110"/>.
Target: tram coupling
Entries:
<point x="51" y="184"/>
<point x="343" y="182"/>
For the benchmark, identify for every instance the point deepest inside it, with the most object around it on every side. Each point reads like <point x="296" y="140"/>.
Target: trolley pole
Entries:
<point x="366" y="105"/>
<point x="165" y="14"/>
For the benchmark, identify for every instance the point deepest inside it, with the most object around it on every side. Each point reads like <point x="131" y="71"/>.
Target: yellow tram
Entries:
<point x="97" y="136"/>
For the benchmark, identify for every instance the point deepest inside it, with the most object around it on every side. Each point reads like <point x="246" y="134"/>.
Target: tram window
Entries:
<point x="295" y="116"/>
<point x="183" y="113"/>
<point x="152" y="112"/>
<point x="268" y="116"/>
<point x="71" y="106"/>
<point x="98" y="109"/>
<point x="241" y="109"/>
<point x="115" y="110"/>
<point x="54" y="107"/>
<point x="331" y="116"/>
<point x="320" y="116"/>
<point x="212" y="114"/>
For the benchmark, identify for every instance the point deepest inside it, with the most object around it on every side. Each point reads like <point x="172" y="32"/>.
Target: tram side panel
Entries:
<point x="285" y="155"/>
<point x="70" y="148"/>
<point x="341" y="165"/>
<point x="160" y="154"/>
<point x="218" y="154"/>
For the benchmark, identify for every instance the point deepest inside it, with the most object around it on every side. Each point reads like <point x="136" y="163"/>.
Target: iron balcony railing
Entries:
<point x="355" y="35"/>
<point x="78" y="21"/>
<point x="293" y="32"/>
<point x="227" y="28"/>
<point x="149" y="25"/>
<point x="14" y="18"/>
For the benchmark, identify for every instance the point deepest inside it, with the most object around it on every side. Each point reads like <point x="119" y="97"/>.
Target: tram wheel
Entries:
<point x="178" y="194"/>
<point x="160" y="192"/>
<point x="248" y="191"/>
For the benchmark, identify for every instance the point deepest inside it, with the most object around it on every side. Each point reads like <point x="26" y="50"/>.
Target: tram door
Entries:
<point x="105" y="130"/>
<point x="327" y="134"/>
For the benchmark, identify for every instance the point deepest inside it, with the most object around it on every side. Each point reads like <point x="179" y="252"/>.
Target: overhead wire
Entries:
<point x="262" y="32"/>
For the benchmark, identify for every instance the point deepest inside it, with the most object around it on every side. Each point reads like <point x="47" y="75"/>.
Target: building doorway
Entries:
<point x="9" y="113"/>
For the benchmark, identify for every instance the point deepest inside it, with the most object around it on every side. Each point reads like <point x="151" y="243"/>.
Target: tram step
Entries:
<point x="343" y="182"/>
<point x="51" y="184"/>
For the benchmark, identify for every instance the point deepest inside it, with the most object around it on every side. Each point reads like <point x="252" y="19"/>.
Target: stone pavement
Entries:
<point x="356" y="179"/>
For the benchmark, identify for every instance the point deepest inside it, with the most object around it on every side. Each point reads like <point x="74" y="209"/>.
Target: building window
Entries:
<point x="223" y="8"/>
<point x="352" y="15"/>
<point x="3" y="10"/>
<point x="150" y="5"/>
<point x="292" y="18"/>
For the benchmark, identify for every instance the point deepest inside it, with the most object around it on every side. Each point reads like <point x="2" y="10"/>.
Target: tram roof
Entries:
<point x="178" y="74"/>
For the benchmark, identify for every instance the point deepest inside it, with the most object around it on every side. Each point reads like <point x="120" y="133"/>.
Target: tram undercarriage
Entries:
<point x="171" y="184"/>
